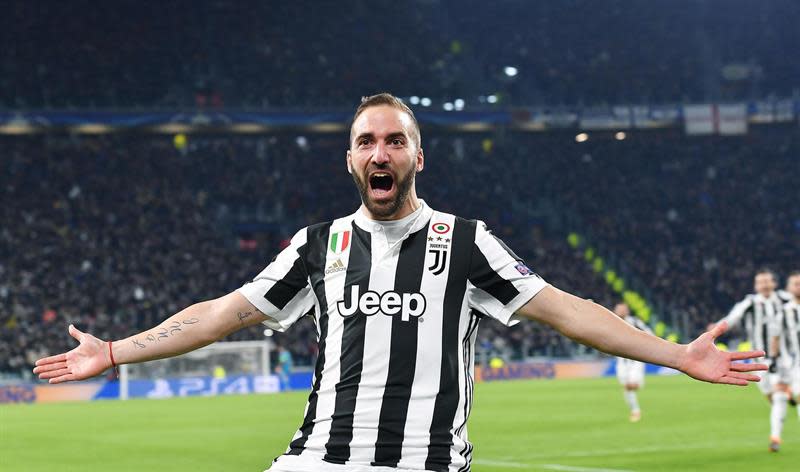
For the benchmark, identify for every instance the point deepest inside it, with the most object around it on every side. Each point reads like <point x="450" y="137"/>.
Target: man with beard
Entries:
<point x="398" y="290"/>
<point x="760" y="314"/>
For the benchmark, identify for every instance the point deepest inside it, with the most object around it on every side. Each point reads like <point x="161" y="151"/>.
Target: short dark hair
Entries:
<point x="767" y="270"/>
<point x="387" y="99"/>
<point x="794" y="273"/>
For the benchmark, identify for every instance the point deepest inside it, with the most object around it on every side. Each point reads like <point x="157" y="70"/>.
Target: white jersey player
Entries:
<point x="761" y="314"/>
<point x="791" y="333"/>
<point x="630" y="373"/>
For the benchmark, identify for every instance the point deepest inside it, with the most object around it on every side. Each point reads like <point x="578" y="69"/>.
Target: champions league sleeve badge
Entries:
<point x="523" y="269"/>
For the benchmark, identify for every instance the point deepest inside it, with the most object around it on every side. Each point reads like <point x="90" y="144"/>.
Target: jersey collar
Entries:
<point x="415" y="222"/>
<point x="761" y="298"/>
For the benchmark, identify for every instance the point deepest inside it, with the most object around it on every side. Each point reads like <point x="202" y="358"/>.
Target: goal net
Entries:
<point x="220" y="368"/>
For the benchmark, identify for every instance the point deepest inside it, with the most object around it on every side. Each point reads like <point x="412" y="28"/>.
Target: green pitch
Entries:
<point x="563" y="425"/>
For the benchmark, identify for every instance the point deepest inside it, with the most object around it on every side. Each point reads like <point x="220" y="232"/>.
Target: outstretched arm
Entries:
<point x="192" y="328"/>
<point x="593" y="325"/>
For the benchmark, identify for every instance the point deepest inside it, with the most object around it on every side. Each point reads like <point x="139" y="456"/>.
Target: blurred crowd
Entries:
<point x="116" y="233"/>
<point x="229" y="53"/>
<point x="693" y="218"/>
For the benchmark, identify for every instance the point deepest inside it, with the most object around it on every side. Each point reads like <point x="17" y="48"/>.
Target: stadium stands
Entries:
<point x="222" y="53"/>
<point x="693" y="218"/>
<point x="115" y="233"/>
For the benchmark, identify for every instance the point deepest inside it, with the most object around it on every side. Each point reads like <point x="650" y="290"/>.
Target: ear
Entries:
<point x="420" y="160"/>
<point x="349" y="160"/>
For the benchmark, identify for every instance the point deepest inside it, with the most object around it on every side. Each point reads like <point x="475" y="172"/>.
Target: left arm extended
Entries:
<point x="593" y="325"/>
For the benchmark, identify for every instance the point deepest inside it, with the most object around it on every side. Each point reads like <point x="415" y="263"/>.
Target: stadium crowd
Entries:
<point x="267" y="54"/>
<point x="116" y="233"/>
<point x="692" y="218"/>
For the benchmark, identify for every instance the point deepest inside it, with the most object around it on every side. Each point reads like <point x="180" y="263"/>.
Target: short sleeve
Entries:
<point x="282" y="290"/>
<point x="499" y="282"/>
<point x="737" y="312"/>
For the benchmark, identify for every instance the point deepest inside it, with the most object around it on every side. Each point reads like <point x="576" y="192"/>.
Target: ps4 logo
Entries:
<point x="389" y="303"/>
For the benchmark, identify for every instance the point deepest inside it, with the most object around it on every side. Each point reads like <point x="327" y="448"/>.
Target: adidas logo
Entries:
<point x="337" y="266"/>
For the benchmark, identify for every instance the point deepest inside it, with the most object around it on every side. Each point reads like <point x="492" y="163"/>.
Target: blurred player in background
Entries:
<point x="761" y="314"/>
<point x="630" y="373"/>
<point x="285" y="366"/>
<point x="791" y="313"/>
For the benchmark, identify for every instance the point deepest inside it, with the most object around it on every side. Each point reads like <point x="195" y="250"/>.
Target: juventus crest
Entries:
<point x="439" y="260"/>
<point x="438" y="247"/>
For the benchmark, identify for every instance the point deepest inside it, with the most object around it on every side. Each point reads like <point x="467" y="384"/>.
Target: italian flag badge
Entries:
<point x="440" y="228"/>
<point x="339" y="241"/>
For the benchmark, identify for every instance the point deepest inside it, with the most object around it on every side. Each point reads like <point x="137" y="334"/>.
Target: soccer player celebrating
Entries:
<point x="791" y="313"/>
<point x="761" y="315"/>
<point x="630" y="373"/>
<point x="398" y="290"/>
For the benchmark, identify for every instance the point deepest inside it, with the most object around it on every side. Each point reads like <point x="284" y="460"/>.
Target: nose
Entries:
<point x="381" y="154"/>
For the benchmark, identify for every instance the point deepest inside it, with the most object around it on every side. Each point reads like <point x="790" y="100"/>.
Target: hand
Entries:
<point x="90" y="358"/>
<point x="703" y="361"/>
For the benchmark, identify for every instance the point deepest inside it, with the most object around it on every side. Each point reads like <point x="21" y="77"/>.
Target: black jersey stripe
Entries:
<point x="286" y="288"/>
<point x="352" y="354"/>
<point x="484" y="277"/>
<point x="469" y="385"/>
<point x="761" y="325"/>
<point x="472" y="325"/>
<point x="446" y="403"/>
<point x="317" y="245"/>
<point x="402" y="355"/>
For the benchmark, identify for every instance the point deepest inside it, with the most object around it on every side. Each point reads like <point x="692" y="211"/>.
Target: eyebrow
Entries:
<point x="396" y="134"/>
<point x="363" y="135"/>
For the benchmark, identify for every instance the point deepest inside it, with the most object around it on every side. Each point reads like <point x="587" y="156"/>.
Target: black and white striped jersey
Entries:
<point x="396" y="326"/>
<point x="790" y="334"/>
<point x="760" y="317"/>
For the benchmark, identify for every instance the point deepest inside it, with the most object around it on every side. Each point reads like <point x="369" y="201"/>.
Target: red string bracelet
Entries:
<point x="113" y="363"/>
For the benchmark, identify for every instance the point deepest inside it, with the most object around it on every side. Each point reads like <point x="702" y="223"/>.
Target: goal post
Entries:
<point x="221" y="368"/>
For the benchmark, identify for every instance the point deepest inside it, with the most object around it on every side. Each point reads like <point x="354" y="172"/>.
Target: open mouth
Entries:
<point x="381" y="183"/>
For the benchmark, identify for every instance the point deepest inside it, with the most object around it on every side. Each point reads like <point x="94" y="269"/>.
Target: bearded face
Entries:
<point x="384" y="158"/>
<point x="383" y="190"/>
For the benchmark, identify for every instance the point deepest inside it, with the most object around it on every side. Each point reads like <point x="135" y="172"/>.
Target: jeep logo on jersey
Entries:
<point x="390" y="304"/>
<point x="339" y="242"/>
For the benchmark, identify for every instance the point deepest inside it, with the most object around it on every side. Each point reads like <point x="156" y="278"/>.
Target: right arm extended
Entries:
<point x="192" y="328"/>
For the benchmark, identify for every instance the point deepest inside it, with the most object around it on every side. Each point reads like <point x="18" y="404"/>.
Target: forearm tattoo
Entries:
<point x="172" y="329"/>
<point x="243" y="315"/>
